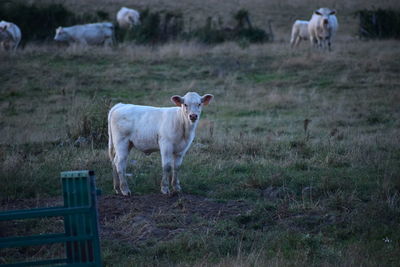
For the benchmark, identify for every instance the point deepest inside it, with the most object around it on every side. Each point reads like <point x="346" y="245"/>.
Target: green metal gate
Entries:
<point x="81" y="234"/>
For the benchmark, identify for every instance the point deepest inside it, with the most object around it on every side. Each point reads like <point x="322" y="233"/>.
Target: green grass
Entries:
<point x="329" y="195"/>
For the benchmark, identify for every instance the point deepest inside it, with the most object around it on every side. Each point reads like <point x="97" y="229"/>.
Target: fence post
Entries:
<point x="79" y="190"/>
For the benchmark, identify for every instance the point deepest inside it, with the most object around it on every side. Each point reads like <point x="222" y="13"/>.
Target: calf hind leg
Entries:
<point x="115" y="178"/>
<point x="111" y="154"/>
<point x="120" y="162"/>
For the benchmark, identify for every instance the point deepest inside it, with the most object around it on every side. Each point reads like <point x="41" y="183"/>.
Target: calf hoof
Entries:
<point x="177" y="188"/>
<point x="165" y="190"/>
<point x="126" y="193"/>
<point x="176" y="194"/>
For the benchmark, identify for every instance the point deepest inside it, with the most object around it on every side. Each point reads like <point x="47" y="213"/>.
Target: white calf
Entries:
<point x="299" y="32"/>
<point x="10" y="35"/>
<point x="87" y="34"/>
<point x="323" y="27"/>
<point x="127" y="17"/>
<point x="168" y="130"/>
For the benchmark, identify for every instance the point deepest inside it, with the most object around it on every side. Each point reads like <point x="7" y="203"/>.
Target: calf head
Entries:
<point x="324" y="25"/>
<point x="3" y="33"/>
<point x="133" y="19"/>
<point x="61" y="35"/>
<point x="192" y="104"/>
<point x="324" y="13"/>
<point x="3" y="28"/>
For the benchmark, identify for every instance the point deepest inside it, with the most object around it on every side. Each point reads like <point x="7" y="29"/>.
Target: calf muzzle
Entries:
<point x="193" y="117"/>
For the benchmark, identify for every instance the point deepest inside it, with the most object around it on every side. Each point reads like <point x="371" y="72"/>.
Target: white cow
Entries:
<point x="299" y="32"/>
<point x="127" y="17"/>
<point x="10" y="35"/>
<point x="87" y="34"/>
<point x="169" y="130"/>
<point x="323" y="27"/>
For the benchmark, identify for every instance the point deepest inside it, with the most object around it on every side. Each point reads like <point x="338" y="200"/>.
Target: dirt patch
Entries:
<point x="139" y="219"/>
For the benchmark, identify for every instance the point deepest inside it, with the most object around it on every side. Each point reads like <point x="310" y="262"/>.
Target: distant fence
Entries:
<point x="379" y="24"/>
<point x="81" y="235"/>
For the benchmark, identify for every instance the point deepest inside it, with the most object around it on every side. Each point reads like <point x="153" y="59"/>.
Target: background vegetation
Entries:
<point x="308" y="141"/>
<point x="39" y="21"/>
<point x="380" y="23"/>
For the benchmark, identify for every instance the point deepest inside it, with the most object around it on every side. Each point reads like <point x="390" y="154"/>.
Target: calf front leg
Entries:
<point x="175" y="181"/>
<point x="314" y="42"/>
<point x="167" y="162"/>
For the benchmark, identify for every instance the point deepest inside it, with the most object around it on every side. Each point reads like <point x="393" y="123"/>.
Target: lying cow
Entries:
<point x="323" y="27"/>
<point x="10" y="35"/>
<point x="299" y="32"/>
<point x="168" y="130"/>
<point x="127" y="17"/>
<point x="87" y="34"/>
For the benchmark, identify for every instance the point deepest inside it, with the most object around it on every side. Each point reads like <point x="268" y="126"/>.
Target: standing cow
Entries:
<point x="127" y="17"/>
<point x="168" y="130"/>
<point x="299" y="32"/>
<point x="87" y="34"/>
<point x="10" y="35"/>
<point x="323" y="27"/>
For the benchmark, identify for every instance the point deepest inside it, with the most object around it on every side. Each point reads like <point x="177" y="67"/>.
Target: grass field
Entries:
<point x="302" y="147"/>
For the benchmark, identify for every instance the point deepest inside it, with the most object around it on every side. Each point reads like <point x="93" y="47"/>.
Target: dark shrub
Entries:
<point x="209" y="34"/>
<point x="149" y="30"/>
<point x="253" y="35"/>
<point x="155" y="27"/>
<point x="36" y="23"/>
<point x="380" y="23"/>
<point x="243" y="30"/>
<point x="39" y="22"/>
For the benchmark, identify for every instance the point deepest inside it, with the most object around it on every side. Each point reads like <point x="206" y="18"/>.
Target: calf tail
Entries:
<point x="295" y="33"/>
<point x="111" y="150"/>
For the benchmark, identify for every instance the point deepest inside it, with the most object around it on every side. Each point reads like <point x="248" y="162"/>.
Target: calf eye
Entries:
<point x="185" y="105"/>
<point x="199" y="105"/>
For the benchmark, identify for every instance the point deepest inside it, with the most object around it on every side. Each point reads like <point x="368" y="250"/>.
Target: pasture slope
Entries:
<point x="295" y="163"/>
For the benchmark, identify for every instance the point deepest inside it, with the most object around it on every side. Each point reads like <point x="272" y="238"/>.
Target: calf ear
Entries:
<point x="333" y="12"/>
<point x="205" y="99"/>
<point x="177" y="100"/>
<point x="317" y="13"/>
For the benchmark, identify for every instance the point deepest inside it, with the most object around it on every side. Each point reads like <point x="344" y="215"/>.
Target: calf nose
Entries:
<point x="193" y="117"/>
<point x="325" y="21"/>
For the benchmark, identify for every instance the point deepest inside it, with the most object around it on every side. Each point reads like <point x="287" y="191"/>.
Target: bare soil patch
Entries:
<point x="138" y="219"/>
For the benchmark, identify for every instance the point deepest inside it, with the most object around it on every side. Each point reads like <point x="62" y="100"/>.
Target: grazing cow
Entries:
<point x="322" y="27"/>
<point x="169" y="130"/>
<point x="87" y="34"/>
<point x="299" y="32"/>
<point x="10" y="35"/>
<point x="127" y="17"/>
